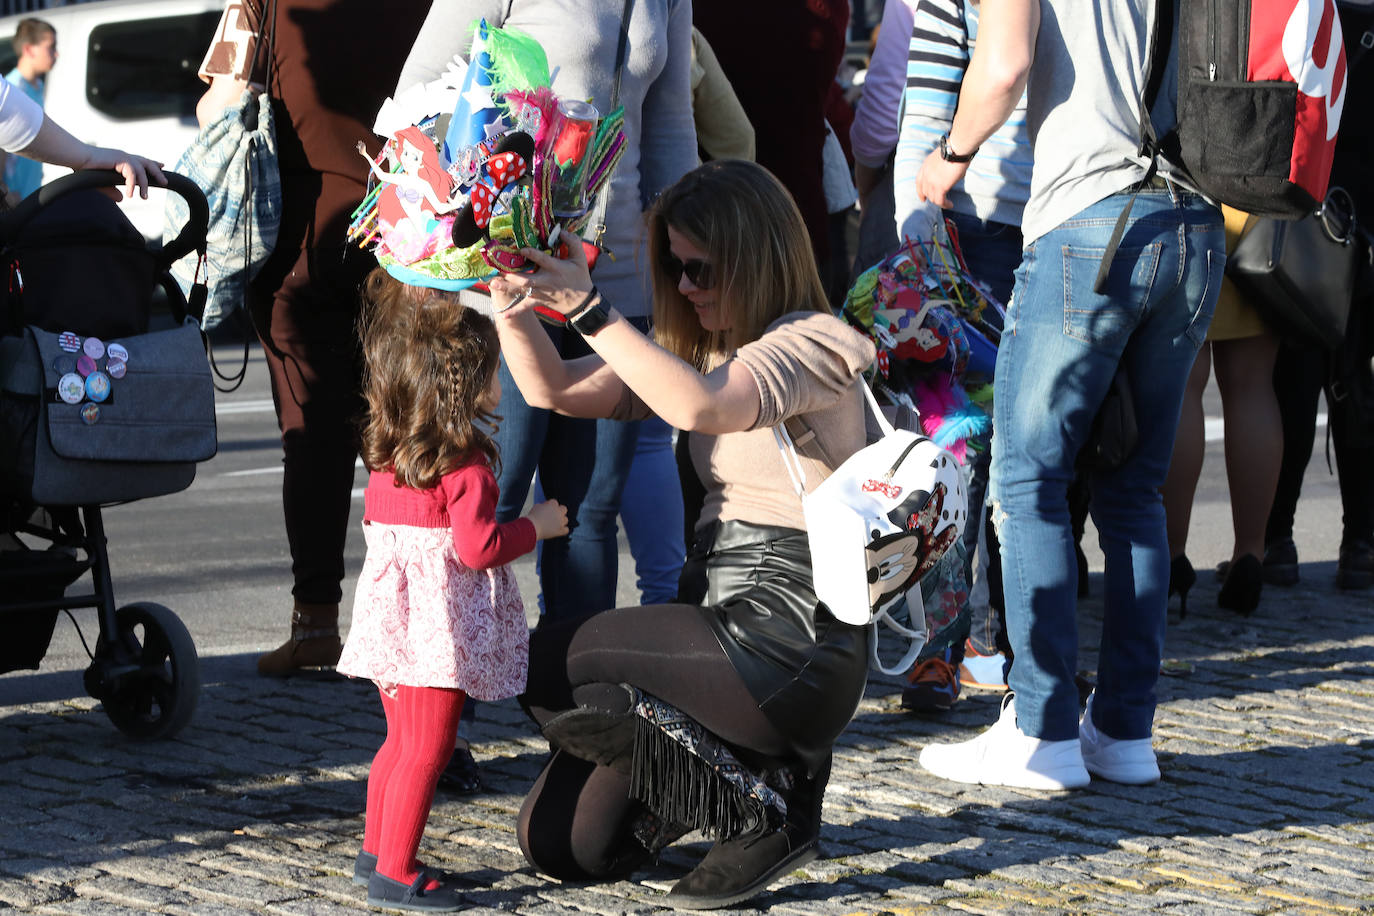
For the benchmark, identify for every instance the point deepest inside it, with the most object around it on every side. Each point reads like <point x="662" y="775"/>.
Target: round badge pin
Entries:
<point x="94" y="347"/>
<point x="116" y="367"/>
<point x="97" y="386"/>
<point x="90" y="414"/>
<point x="71" y="388"/>
<point x="63" y="364"/>
<point x="68" y="341"/>
<point x="117" y="351"/>
<point x="84" y="365"/>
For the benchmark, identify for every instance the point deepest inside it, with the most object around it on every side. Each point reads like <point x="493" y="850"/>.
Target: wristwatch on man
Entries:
<point x="950" y="155"/>
<point x="590" y="316"/>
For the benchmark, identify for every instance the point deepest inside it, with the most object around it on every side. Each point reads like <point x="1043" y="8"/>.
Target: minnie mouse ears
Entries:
<point x="509" y="163"/>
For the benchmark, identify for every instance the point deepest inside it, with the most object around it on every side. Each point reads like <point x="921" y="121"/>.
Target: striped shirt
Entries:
<point x="997" y="184"/>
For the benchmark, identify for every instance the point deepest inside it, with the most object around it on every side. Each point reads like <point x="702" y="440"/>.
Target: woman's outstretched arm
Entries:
<point x="723" y="401"/>
<point x="584" y="387"/>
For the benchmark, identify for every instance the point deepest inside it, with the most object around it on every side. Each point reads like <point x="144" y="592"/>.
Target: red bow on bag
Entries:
<point x="503" y="168"/>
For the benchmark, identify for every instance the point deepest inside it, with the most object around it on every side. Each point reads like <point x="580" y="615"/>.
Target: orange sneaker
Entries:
<point x="934" y="686"/>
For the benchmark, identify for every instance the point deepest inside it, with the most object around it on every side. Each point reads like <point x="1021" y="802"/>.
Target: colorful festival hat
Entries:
<point x="481" y="162"/>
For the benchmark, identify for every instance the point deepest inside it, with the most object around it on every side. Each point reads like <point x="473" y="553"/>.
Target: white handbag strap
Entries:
<point x="789" y="452"/>
<point x="885" y="426"/>
<point x="916" y="639"/>
<point x="790" y="460"/>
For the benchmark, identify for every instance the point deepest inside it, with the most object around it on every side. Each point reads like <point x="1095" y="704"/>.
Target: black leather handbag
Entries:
<point x="1300" y="274"/>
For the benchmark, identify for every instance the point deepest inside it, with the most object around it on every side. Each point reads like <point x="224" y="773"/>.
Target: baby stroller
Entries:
<point x="75" y="315"/>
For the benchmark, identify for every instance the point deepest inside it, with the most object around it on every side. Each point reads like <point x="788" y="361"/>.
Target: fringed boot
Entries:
<point x="742" y="866"/>
<point x="314" y="642"/>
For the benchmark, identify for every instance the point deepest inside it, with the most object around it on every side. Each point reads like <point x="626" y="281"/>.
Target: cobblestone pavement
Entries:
<point x="1265" y="732"/>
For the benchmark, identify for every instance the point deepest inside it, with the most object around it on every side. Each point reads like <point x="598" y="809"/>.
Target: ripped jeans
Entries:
<point x="1059" y="352"/>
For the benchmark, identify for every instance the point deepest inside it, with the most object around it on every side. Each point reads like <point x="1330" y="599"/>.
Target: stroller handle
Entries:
<point x="192" y="235"/>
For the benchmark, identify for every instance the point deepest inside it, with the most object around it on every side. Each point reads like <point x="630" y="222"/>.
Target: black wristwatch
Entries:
<point x="590" y="316"/>
<point x="950" y="155"/>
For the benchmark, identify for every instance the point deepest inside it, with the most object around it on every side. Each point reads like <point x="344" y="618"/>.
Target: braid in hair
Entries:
<point x="429" y="363"/>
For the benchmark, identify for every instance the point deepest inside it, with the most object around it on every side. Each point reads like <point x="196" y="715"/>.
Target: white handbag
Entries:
<point x="878" y="524"/>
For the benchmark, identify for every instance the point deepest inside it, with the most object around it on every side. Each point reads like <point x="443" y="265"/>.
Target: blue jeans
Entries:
<point x="992" y="252"/>
<point x="582" y="464"/>
<point x="651" y="511"/>
<point x="1060" y="349"/>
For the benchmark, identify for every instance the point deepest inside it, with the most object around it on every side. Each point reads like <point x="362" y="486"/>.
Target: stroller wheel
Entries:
<point x="148" y="674"/>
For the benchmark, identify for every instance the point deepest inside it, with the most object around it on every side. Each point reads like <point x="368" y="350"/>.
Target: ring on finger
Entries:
<point x="515" y="300"/>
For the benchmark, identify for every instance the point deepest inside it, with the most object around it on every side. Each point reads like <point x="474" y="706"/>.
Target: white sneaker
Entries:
<point x="1003" y="756"/>
<point x="1128" y="761"/>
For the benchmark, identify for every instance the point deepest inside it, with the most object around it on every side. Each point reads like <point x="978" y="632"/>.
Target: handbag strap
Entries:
<point x="792" y="462"/>
<point x="235" y="380"/>
<point x="790" y="459"/>
<point x="267" y="17"/>
<point x="622" y="47"/>
<point x="598" y="220"/>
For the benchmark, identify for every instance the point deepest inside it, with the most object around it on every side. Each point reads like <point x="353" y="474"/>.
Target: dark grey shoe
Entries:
<point x="1355" y="568"/>
<point x="384" y="892"/>
<point x="737" y="869"/>
<point x="462" y="776"/>
<point x="1280" y="563"/>
<point x="363" y="868"/>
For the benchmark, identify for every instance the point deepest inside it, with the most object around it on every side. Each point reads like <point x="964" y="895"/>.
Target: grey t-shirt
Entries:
<point x="580" y="38"/>
<point x="1083" y="106"/>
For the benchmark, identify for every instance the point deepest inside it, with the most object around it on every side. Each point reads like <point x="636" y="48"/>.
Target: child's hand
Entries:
<point x="550" y="519"/>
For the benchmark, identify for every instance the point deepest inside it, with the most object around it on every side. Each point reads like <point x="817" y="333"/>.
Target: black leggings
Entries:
<point x="574" y="821"/>
<point x="1299" y="374"/>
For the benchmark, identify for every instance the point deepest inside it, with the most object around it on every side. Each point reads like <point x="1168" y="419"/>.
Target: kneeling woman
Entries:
<point x="717" y="713"/>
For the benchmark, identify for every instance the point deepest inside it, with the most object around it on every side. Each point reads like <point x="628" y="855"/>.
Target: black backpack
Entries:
<point x="1261" y="87"/>
<point x="1250" y="133"/>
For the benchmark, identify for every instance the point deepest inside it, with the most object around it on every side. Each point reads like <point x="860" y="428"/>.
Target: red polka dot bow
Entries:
<point x="503" y="169"/>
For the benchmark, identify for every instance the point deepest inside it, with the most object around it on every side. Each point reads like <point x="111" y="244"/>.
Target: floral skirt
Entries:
<point x="422" y="618"/>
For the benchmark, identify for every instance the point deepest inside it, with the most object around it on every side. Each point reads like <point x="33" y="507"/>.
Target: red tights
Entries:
<point x="421" y="723"/>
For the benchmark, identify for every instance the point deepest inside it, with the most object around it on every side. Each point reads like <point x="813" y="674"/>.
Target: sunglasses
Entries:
<point x="698" y="271"/>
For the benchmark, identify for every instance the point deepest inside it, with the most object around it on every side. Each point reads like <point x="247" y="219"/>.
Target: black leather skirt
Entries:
<point x="806" y="669"/>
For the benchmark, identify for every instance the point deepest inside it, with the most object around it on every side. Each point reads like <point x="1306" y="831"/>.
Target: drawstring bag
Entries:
<point x="234" y="162"/>
<point x="877" y="525"/>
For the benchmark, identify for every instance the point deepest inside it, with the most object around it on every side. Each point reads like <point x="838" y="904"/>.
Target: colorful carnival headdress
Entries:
<point x="480" y="163"/>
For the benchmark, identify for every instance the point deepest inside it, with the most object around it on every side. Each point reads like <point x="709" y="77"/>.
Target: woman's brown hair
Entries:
<point x="758" y="248"/>
<point x="428" y="362"/>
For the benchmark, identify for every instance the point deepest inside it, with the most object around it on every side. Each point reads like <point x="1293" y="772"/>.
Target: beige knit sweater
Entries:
<point x="807" y="366"/>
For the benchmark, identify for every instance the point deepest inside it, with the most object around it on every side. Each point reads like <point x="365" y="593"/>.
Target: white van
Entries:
<point x="126" y="78"/>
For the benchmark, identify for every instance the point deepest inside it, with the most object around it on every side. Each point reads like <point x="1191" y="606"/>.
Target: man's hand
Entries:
<point x="936" y="177"/>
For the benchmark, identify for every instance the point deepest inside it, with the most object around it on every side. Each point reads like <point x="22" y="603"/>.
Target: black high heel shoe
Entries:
<point x="1182" y="577"/>
<point x="1241" y="590"/>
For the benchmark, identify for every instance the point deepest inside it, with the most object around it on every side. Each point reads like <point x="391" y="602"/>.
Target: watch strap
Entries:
<point x="950" y="155"/>
<point x="589" y="317"/>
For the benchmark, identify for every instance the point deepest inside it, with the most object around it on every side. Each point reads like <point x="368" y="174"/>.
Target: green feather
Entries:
<point x="518" y="62"/>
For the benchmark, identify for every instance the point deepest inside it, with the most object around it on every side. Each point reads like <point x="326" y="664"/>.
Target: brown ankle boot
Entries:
<point x="314" y="642"/>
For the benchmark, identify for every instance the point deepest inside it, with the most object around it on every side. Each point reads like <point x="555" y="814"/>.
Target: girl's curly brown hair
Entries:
<point x="428" y="362"/>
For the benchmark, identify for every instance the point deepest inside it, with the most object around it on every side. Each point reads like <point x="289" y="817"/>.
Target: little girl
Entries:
<point x="437" y="614"/>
